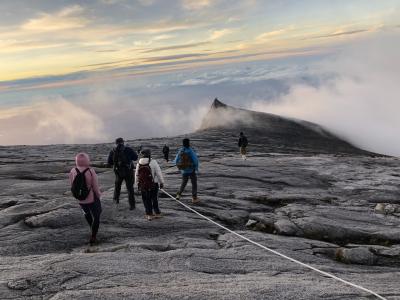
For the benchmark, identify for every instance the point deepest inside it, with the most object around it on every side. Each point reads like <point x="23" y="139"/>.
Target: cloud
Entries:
<point x="217" y="34"/>
<point x="361" y="103"/>
<point x="339" y="33"/>
<point x="271" y="34"/>
<point x="195" y="4"/>
<point x="174" y="57"/>
<point x="68" y="18"/>
<point x="176" y="47"/>
<point x="48" y="122"/>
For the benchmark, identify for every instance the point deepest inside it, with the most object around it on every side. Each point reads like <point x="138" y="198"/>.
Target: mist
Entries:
<point x="361" y="103"/>
<point x="353" y="93"/>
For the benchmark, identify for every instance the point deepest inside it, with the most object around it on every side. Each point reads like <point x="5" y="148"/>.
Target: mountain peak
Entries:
<point x="274" y="130"/>
<point x="218" y="104"/>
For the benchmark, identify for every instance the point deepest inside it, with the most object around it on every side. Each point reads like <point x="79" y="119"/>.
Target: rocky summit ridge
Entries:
<point x="276" y="131"/>
<point x="302" y="191"/>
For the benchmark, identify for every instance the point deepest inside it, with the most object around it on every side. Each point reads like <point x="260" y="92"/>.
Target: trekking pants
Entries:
<point x="193" y="179"/>
<point x="92" y="215"/>
<point x="129" y="181"/>
<point x="150" y="201"/>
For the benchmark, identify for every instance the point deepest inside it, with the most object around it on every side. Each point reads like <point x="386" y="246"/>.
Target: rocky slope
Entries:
<point x="302" y="191"/>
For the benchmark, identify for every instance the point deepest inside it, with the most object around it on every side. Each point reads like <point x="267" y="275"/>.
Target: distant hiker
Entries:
<point x="187" y="162"/>
<point x="165" y="151"/>
<point x="149" y="179"/>
<point x="243" y="142"/>
<point x="122" y="158"/>
<point x="139" y="149"/>
<point x="85" y="188"/>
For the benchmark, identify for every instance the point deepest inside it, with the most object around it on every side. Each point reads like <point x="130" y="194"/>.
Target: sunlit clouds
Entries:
<point x="42" y="38"/>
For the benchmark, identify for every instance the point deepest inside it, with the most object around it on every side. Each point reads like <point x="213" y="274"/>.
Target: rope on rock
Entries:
<point x="276" y="252"/>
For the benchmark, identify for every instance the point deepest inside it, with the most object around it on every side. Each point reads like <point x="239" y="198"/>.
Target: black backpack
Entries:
<point x="145" y="178"/>
<point x="122" y="165"/>
<point x="79" y="187"/>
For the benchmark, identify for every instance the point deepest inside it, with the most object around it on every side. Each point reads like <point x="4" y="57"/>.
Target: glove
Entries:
<point x="161" y="185"/>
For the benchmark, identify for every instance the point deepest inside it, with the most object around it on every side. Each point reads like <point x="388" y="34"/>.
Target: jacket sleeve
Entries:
<point x="177" y="157"/>
<point x="159" y="174"/>
<point x="72" y="176"/>
<point x="95" y="184"/>
<point x="137" y="175"/>
<point x="110" y="160"/>
<point x="195" y="160"/>
<point x="132" y="154"/>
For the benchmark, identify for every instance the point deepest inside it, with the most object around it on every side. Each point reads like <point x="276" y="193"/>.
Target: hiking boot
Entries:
<point x="148" y="217"/>
<point x="158" y="216"/>
<point x="93" y="241"/>
<point x="195" y="200"/>
<point x="178" y="196"/>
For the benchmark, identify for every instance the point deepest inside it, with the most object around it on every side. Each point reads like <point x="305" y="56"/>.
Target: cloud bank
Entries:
<point x="361" y="104"/>
<point x="52" y="121"/>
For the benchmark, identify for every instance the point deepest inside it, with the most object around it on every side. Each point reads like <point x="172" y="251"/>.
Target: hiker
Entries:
<point x="243" y="142"/>
<point x="165" y="151"/>
<point x="85" y="188"/>
<point x="122" y="158"/>
<point x="187" y="162"/>
<point x="149" y="180"/>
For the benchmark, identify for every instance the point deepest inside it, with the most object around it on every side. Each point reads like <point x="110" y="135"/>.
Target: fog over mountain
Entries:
<point x="353" y="92"/>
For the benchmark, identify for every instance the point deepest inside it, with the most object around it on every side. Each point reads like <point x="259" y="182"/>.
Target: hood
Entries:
<point x="82" y="160"/>
<point x="144" y="161"/>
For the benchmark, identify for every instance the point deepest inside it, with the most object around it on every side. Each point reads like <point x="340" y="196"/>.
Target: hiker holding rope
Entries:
<point x="149" y="179"/>
<point x="187" y="162"/>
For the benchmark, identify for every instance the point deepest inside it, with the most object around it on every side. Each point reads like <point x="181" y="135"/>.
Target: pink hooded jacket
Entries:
<point x="82" y="163"/>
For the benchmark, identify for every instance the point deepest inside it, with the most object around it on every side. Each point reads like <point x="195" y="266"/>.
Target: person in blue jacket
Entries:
<point x="188" y="163"/>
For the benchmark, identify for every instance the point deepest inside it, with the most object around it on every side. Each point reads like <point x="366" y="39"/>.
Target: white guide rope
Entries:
<point x="274" y="251"/>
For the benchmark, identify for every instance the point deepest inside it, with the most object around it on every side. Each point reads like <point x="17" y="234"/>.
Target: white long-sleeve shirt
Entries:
<point x="154" y="167"/>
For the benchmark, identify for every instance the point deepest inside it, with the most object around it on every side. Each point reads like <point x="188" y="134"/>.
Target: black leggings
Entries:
<point x="92" y="215"/>
<point x="150" y="201"/>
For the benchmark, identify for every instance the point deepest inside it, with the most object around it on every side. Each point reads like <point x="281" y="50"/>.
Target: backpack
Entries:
<point x="145" y="178"/>
<point x="244" y="142"/>
<point x="79" y="187"/>
<point x="184" y="161"/>
<point x="122" y="165"/>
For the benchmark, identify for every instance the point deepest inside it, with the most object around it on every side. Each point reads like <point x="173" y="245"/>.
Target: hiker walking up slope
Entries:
<point x="187" y="162"/>
<point x="85" y="188"/>
<point x="165" y="151"/>
<point x="122" y="158"/>
<point x="149" y="179"/>
<point x="242" y="143"/>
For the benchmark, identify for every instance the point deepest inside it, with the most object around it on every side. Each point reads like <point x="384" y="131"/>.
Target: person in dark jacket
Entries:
<point x="122" y="158"/>
<point x="165" y="151"/>
<point x="187" y="162"/>
<point x="242" y="143"/>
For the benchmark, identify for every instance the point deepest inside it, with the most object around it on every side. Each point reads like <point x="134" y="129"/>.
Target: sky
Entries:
<point x="90" y="70"/>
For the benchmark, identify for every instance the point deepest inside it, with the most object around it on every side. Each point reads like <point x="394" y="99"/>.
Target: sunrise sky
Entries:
<point x="63" y="61"/>
<point x="41" y="38"/>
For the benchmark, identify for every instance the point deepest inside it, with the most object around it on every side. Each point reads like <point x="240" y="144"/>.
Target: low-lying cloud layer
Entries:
<point x="361" y="104"/>
<point x="52" y="121"/>
<point x="354" y="94"/>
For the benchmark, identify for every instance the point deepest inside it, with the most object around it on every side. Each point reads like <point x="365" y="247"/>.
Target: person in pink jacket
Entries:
<point x="91" y="206"/>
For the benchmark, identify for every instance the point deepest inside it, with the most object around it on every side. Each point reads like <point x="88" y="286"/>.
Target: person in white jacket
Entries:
<point x="149" y="179"/>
